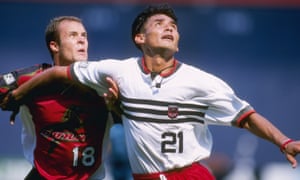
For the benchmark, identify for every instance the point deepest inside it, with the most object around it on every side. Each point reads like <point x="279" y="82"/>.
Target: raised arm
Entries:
<point x="55" y="74"/>
<point x="50" y="77"/>
<point x="263" y="128"/>
<point x="14" y="98"/>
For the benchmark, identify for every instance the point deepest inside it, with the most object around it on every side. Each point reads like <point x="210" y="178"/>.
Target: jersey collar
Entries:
<point x="175" y="66"/>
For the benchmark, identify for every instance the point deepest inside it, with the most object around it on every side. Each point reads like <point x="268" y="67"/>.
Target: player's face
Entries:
<point x="73" y="43"/>
<point x="160" y="32"/>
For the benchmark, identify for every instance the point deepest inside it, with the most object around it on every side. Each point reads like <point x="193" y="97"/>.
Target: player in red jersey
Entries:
<point x="65" y="126"/>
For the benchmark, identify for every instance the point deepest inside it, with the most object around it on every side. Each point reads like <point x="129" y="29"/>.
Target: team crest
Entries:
<point x="172" y="111"/>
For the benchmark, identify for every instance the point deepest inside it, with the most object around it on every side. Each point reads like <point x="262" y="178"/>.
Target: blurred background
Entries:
<point x="254" y="45"/>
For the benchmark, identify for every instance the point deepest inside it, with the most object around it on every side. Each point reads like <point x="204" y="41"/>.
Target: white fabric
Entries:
<point x="28" y="137"/>
<point x="165" y="127"/>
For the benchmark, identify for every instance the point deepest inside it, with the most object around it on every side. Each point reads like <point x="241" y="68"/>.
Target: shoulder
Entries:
<point x="205" y="78"/>
<point x="197" y="72"/>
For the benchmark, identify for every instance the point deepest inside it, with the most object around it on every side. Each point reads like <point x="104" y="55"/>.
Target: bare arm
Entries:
<point x="263" y="128"/>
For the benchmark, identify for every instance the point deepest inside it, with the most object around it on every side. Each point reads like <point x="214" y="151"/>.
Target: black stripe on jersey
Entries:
<point x="162" y="103"/>
<point x="136" y="118"/>
<point x="161" y="112"/>
<point x="136" y="109"/>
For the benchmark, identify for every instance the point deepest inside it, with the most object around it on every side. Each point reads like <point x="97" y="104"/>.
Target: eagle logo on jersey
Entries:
<point x="172" y="111"/>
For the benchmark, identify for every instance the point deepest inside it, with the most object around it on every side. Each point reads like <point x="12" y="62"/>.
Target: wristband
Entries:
<point x="284" y="144"/>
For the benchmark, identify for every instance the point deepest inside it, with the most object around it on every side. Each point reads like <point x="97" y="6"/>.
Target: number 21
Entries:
<point x="169" y="139"/>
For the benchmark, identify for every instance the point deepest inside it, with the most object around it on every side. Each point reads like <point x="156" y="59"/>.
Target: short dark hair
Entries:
<point x="51" y="32"/>
<point x="148" y="12"/>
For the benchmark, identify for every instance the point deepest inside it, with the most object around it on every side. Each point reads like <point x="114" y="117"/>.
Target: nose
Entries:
<point x="169" y="27"/>
<point x="82" y="39"/>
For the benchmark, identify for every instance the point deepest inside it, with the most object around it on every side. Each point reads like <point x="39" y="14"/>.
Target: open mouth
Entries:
<point x="168" y="37"/>
<point x="81" y="50"/>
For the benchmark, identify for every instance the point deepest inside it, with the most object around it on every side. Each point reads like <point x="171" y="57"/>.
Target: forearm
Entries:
<point x="45" y="78"/>
<point x="263" y="128"/>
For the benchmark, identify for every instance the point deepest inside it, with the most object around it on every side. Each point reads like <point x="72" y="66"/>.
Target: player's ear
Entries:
<point x="139" y="38"/>
<point x="53" y="46"/>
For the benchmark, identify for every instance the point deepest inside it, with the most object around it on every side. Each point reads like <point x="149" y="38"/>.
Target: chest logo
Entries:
<point x="172" y="111"/>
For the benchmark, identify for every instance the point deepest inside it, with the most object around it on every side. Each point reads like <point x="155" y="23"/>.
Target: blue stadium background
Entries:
<point x="256" y="49"/>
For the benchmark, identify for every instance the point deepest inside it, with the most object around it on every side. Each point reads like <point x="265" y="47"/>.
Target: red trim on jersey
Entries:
<point x="146" y="70"/>
<point x="173" y="68"/>
<point x="69" y="74"/>
<point x="243" y="117"/>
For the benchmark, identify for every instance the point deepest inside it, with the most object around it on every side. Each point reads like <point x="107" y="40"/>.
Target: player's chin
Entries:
<point x="170" y="45"/>
<point x="81" y="58"/>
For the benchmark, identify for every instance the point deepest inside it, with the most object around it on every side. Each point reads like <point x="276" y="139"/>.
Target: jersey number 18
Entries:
<point x="87" y="156"/>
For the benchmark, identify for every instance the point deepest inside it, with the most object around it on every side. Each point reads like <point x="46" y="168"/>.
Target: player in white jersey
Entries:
<point x="167" y="105"/>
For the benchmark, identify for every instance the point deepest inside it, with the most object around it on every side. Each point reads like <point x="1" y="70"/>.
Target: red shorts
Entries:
<point x="192" y="172"/>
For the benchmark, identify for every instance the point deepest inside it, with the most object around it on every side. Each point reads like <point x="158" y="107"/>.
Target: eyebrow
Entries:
<point x="162" y="19"/>
<point x="77" y="32"/>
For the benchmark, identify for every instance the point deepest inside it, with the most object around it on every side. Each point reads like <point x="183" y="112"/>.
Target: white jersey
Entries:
<point x="165" y="119"/>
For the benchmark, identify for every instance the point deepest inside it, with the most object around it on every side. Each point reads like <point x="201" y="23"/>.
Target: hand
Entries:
<point x="8" y="103"/>
<point x="291" y="151"/>
<point x="112" y="95"/>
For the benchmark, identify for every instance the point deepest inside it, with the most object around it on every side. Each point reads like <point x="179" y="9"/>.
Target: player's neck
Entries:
<point x="158" y="64"/>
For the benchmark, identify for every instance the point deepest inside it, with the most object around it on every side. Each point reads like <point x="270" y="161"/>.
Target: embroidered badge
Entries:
<point x="172" y="111"/>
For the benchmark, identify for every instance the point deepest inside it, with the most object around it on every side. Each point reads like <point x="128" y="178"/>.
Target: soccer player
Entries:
<point x="66" y="126"/>
<point x="167" y="104"/>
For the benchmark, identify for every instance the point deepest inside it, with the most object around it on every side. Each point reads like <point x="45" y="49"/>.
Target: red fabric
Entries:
<point x="192" y="172"/>
<point x="70" y="124"/>
<point x="240" y="122"/>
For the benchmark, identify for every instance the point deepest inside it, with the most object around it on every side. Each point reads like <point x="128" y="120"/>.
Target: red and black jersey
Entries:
<point x="71" y="126"/>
